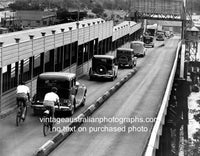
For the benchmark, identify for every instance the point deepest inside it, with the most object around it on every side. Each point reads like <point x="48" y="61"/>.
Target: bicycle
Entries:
<point x="20" y="110"/>
<point x="47" y="124"/>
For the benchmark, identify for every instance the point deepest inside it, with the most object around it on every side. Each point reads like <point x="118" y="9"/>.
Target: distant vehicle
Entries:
<point x="148" y="41"/>
<point x="171" y="34"/>
<point x="160" y="37"/>
<point x="126" y="57"/>
<point x="71" y="93"/>
<point x="152" y="29"/>
<point x="167" y="34"/>
<point x="138" y="48"/>
<point x="103" y="66"/>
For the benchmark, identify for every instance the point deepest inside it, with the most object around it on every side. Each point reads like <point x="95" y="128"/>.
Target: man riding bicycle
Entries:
<point x="50" y="99"/>
<point x="23" y="95"/>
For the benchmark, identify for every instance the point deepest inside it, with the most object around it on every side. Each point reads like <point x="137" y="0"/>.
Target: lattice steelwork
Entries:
<point x="159" y="9"/>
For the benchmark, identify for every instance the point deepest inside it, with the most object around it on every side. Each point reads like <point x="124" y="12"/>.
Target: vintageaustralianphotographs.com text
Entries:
<point x="100" y="120"/>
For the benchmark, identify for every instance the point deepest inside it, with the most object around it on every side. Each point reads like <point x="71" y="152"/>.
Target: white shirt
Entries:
<point x="51" y="97"/>
<point x="23" y="89"/>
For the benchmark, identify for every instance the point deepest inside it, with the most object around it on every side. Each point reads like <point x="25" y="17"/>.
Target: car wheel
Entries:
<point x="72" y="110"/>
<point x="101" y="69"/>
<point x="91" y="78"/>
<point x="84" y="99"/>
<point x="113" y="78"/>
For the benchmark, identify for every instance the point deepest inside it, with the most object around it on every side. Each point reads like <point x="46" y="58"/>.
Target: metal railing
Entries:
<point x="153" y="143"/>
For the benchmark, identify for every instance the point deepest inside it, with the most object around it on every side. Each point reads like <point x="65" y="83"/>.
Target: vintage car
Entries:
<point x="126" y="57"/>
<point x="138" y="48"/>
<point x="148" y="41"/>
<point x="160" y="37"/>
<point x="71" y="93"/>
<point x="103" y="66"/>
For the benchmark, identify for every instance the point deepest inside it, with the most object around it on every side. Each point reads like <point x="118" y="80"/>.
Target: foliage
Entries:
<point x="98" y="9"/>
<point x="193" y="145"/>
<point x="64" y="16"/>
<point x="19" y="5"/>
<point x="197" y="117"/>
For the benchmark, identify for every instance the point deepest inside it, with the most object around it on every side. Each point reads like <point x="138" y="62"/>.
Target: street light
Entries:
<point x="63" y="59"/>
<point x="1" y="75"/>
<point x="32" y="62"/>
<point x="53" y="32"/>
<point x="43" y="66"/>
<point x="19" y="64"/>
<point x="70" y="49"/>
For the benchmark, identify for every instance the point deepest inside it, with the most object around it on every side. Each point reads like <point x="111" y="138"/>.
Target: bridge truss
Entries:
<point x="157" y="9"/>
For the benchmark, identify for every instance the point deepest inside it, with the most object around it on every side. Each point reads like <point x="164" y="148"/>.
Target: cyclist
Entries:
<point x="23" y="95"/>
<point x="50" y="99"/>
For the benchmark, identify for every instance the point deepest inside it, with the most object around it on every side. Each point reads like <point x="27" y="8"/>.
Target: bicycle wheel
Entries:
<point x="45" y="128"/>
<point x="19" y="114"/>
<point x="25" y="113"/>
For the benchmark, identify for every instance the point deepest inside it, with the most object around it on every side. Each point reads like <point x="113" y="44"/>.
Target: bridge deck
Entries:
<point x="140" y="98"/>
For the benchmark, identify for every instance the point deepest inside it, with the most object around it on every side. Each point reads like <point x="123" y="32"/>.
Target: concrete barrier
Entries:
<point x="51" y="144"/>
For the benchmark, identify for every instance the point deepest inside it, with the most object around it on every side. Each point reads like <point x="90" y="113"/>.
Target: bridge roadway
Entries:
<point x="140" y="97"/>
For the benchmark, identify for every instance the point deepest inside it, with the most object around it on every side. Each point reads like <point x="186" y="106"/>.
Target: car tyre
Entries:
<point x="72" y="111"/>
<point x="101" y="69"/>
<point x="91" y="78"/>
<point x="84" y="99"/>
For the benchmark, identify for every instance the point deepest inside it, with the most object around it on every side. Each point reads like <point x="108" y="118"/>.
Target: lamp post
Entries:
<point x="19" y="66"/>
<point x="32" y="62"/>
<point x="84" y="49"/>
<point x="70" y="50"/>
<point x="77" y="26"/>
<point x="43" y="61"/>
<point x="102" y="35"/>
<point x="1" y="75"/>
<point x="62" y="54"/>
<point x="54" y="64"/>
<point x="89" y="50"/>
<point x="98" y="37"/>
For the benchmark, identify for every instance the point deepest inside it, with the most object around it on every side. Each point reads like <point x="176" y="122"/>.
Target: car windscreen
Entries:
<point x="44" y="86"/>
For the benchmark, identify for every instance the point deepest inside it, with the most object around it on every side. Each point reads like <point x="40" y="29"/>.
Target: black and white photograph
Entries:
<point x="99" y="78"/>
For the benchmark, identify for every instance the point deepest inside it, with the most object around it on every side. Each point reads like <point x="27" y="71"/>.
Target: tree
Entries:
<point x="98" y="9"/>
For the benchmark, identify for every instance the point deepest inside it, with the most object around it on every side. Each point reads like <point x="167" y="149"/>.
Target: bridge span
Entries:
<point x="69" y="48"/>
